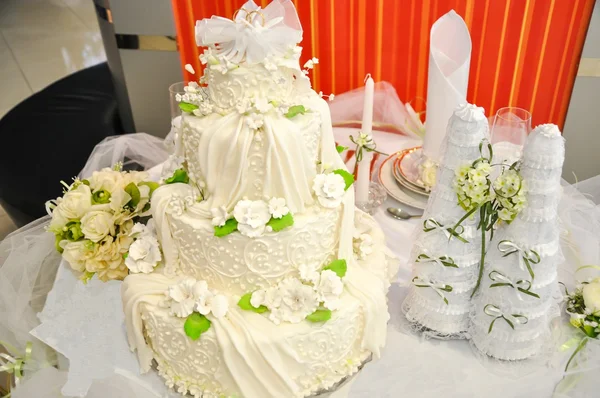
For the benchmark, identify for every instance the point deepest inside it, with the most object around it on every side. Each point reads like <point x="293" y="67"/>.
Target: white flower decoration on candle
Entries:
<point x="252" y="217"/>
<point x="144" y="255"/>
<point x="297" y="300"/>
<point x="219" y="216"/>
<point x="277" y="207"/>
<point x="329" y="289"/>
<point x="329" y="189"/>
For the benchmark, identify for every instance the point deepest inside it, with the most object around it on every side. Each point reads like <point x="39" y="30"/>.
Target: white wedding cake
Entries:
<point x="272" y="283"/>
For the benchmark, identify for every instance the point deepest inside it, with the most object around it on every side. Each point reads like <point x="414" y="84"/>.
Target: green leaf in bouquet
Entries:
<point x="295" y="110"/>
<point x="195" y="325"/>
<point x="73" y="232"/>
<point x="180" y="175"/>
<point x="348" y="178"/>
<point x="245" y="304"/>
<point x="101" y="197"/>
<point x="134" y="192"/>
<point x="340" y="148"/>
<point x="320" y="315"/>
<point x="150" y="184"/>
<point x="57" y="240"/>
<point x="229" y="227"/>
<point x="86" y="276"/>
<point x="146" y="207"/>
<point x="338" y="266"/>
<point x="280" y="223"/>
<point x="187" y="107"/>
<point x="589" y="331"/>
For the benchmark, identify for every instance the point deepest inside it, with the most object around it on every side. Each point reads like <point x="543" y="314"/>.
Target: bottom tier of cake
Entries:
<point x="300" y="358"/>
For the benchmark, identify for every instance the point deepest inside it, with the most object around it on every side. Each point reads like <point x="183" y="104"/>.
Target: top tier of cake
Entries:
<point x="252" y="127"/>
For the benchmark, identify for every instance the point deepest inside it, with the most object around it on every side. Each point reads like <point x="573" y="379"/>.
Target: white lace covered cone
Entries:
<point x="505" y="295"/>
<point x="433" y="251"/>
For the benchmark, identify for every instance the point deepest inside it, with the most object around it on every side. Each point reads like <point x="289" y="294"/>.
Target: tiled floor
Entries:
<point x="42" y="41"/>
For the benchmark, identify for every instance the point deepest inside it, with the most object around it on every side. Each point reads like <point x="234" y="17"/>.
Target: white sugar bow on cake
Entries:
<point x="254" y="33"/>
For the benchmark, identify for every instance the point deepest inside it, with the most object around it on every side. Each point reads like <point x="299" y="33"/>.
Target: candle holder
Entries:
<point x="377" y="196"/>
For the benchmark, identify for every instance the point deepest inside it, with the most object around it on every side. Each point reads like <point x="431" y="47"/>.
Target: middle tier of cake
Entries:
<point x="239" y="264"/>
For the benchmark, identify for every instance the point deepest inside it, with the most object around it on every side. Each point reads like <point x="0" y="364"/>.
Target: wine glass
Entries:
<point x="509" y="131"/>
<point x="172" y="139"/>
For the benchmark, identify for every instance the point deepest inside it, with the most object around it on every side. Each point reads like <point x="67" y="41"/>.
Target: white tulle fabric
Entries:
<point x="538" y="230"/>
<point x="425" y="307"/>
<point x="254" y="34"/>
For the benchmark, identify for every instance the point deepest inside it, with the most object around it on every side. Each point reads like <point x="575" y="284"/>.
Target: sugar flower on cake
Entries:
<point x="172" y="164"/>
<point x="329" y="288"/>
<point x="308" y="273"/>
<point x="252" y="217"/>
<point x="329" y="189"/>
<point x="362" y="244"/>
<point x="190" y="295"/>
<point x="144" y="253"/>
<point x="297" y="300"/>
<point x="278" y="208"/>
<point x="219" y="216"/>
<point x="211" y="303"/>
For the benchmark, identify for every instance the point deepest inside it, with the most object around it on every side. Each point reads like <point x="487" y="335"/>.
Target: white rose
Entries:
<point x="75" y="203"/>
<point x="75" y="254"/>
<point x="329" y="288"/>
<point x="106" y="179"/>
<point x="58" y="221"/>
<point x="591" y="296"/>
<point x="329" y="189"/>
<point x="252" y="217"/>
<point x="95" y="225"/>
<point x="144" y="255"/>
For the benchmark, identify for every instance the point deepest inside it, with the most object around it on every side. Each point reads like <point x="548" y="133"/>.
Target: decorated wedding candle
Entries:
<point x="364" y="166"/>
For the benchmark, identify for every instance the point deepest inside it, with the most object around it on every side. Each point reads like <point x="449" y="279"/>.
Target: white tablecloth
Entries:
<point x="85" y="323"/>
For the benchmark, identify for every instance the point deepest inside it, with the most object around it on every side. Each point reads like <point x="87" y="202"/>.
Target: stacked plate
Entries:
<point x="399" y="175"/>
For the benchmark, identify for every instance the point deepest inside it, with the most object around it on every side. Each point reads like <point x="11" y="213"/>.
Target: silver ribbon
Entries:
<point x="439" y="288"/>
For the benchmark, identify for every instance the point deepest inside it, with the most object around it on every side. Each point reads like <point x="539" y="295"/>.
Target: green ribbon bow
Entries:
<point x="511" y="319"/>
<point x="431" y="225"/>
<point x="443" y="261"/>
<point x="14" y="364"/>
<point x="364" y="143"/>
<point x="526" y="257"/>
<point x="439" y="288"/>
<point x="521" y="286"/>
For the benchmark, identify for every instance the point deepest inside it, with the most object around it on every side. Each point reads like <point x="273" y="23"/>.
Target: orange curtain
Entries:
<point x="525" y="52"/>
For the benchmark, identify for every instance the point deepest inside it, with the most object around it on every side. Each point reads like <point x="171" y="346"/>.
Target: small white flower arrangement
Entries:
<point x="252" y="218"/>
<point x="193" y="300"/>
<point x="94" y="219"/>
<point x="362" y="244"/>
<point x="583" y="308"/>
<point x="310" y="297"/>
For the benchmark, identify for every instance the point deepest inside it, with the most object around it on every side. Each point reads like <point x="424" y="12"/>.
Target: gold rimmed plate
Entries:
<point x="397" y="191"/>
<point x="402" y="181"/>
<point x="408" y="166"/>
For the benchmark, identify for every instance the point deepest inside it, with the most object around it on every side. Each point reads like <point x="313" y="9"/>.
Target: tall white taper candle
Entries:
<point x="364" y="167"/>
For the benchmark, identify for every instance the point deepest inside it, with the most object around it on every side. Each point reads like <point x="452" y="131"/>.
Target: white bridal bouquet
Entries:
<point x="94" y="222"/>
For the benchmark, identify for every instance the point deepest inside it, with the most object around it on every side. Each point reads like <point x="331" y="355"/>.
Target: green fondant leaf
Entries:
<point x="245" y="304"/>
<point x="340" y="148"/>
<point x="101" y="197"/>
<point x="180" y="175"/>
<point x="229" y="227"/>
<point x="195" y="325"/>
<point x="134" y="192"/>
<point x="348" y="178"/>
<point x="295" y="110"/>
<point x="150" y="184"/>
<point x="187" y="107"/>
<point x="320" y="315"/>
<point x="280" y="223"/>
<point x="338" y="266"/>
